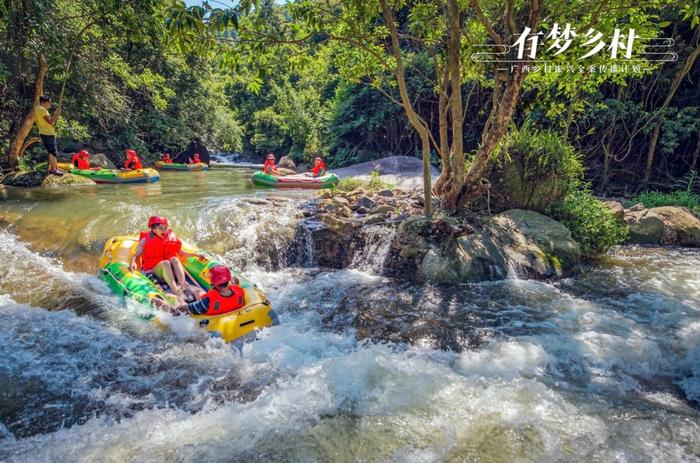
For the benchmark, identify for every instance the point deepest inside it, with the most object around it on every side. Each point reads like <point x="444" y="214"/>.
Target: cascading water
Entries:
<point x="372" y="248"/>
<point x="600" y="367"/>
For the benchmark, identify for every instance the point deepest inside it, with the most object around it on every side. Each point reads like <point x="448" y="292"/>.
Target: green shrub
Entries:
<point x="592" y="223"/>
<point x="375" y="183"/>
<point x="533" y="170"/>
<point x="675" y="198"/>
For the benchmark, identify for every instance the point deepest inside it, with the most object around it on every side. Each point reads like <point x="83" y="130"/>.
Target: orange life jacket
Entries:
<point x="219" y="304"/>
<point x="156" y="250"/>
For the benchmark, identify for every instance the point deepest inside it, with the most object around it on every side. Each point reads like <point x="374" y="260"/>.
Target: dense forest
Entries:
<point x="355" y="81"/>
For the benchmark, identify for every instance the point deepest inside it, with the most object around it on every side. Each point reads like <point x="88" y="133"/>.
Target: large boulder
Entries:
<point x="195" y="146"/>
<point x="535" y="244"/>
<point x="516" y="242"/>
<point x="644" y="227"/>
<point x="25" y="178"/>
<point x="672" y="225"/>
<point x="286" y="162"/>
<point x="682" y="226"/>
<point x="616" y="208"/>
<point x="318" y="244"/>
<point x="53" y="181"/>
<point x="101" y="160"/>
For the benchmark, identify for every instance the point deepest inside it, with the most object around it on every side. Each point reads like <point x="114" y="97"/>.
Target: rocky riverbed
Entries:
<point x="515" y="243"/>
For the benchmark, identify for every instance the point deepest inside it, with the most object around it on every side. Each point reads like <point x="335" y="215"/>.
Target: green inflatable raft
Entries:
<point x="295" y="181"/>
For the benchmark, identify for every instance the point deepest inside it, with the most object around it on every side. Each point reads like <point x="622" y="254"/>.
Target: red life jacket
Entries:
<point x="219" y="304"/>
<point x="319" y="169"/>
<point x="156" y="250"/>
<point x="80" y="160"/>
<point x="268" y="166"/>
<point x="133" y="163"/>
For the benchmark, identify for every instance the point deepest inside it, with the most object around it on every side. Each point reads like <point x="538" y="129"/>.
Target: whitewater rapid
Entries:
<point x="604" y="366"/>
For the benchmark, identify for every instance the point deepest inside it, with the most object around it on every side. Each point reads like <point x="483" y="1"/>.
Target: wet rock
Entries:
<point x="361" y="210"/>
<point x="617" y="209"/>
<point x="374" y="218"/>
<point x="385" y="193"/>
<point x="100" y="160"/>
<point x="326" y="194"/>
<point x="339" y="225"/>
<point x="637" y="207"/>
<point x="54" y="181"/>
<point x="279" y="199"/>
<point x="32" y="178"/>
<point x="366" y="202"/>
<point x="320" y="245"/>
<point x="644" y="227"/>
<point x="256" y="201"/>
<point x="286" y="162"/>
<point x="538" y="245"/>
<point x="357" y="192"/>
<point x="682" y="223"/>
<point x="339" y="200"/>
<point x="382" y="209"/>
<point x="446" y="251"/>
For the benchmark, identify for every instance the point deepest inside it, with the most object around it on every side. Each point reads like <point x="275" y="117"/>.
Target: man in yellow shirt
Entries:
<point x="47" y="131"/>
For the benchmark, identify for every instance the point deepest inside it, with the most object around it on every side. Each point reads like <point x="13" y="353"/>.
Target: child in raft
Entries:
<point x="195" y="159"/>
<point x="81" y="159"/>
<point x="270" y="167"/>
<point x="319" y="169"/>
<point x="157" y="253"/>
<point x="133" y="162"/>
<point x="165" y="158"/>
<point x="224" y="296"/>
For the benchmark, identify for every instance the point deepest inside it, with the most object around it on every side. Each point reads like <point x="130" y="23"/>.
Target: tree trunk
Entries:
<point x="680" y="75"/>
<point x="454" y="48"/>
<point x="26" y="126"/>
<point x="504" y="104"/>
<point x="444" y="148"/>
<point x="413" y="117"/>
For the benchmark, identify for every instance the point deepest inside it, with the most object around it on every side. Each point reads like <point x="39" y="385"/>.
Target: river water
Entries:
<point x="604" y="366"/>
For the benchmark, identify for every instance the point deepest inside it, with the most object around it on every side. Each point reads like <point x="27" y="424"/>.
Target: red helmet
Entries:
<point x="157" y="220"/>
<point x="219" y="275"/>
<point x="130" y="153"/>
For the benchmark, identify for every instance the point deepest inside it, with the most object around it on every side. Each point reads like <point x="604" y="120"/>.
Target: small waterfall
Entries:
<point x="372" y="246"/>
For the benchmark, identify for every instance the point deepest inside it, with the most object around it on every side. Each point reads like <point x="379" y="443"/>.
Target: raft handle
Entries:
<point x="246" y="323"/>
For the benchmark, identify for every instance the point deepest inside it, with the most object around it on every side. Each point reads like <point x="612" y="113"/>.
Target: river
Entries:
<point x="604" y="366"/>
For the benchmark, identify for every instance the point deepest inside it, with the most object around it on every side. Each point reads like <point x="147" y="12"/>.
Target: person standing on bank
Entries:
<point x="47" y="131"/>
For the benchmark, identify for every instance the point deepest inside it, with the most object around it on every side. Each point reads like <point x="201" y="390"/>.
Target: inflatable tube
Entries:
<point x="295" y="181"/>
<point x="160" y="165"/>
<point x="99" y="175"/>
<point x="255" y="314"/>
